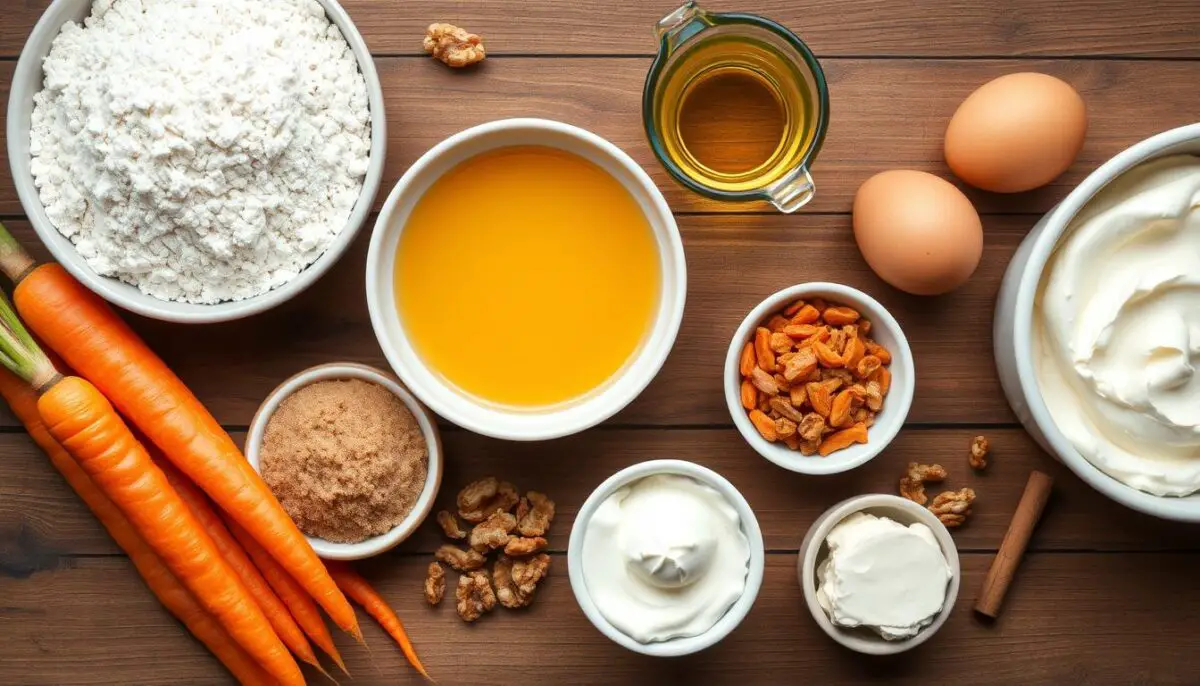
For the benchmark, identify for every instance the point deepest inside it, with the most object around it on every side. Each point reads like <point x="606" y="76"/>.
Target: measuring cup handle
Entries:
<point x="792" y="191"/>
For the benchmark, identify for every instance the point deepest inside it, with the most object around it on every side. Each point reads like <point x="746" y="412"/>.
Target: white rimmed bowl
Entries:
<point x="884" y="329"/>
<point x="472" y="413"/>
<point x="27" y="80"/>
<point x="433" y="441"/>
<point x="813" y="551"/>
<point x="731" y="619"/>
<point x="1013" y="327"/>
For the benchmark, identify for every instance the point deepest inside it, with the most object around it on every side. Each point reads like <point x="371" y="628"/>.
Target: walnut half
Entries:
<point x="453" y="46"/>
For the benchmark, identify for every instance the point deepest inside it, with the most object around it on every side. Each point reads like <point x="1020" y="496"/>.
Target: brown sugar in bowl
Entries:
<point x="433" y="479"/>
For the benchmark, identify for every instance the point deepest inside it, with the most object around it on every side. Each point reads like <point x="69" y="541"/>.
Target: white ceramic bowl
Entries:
<point x="1013" y="334"/>
<point x="433" y="479"/>
<point x="813" y="551"/>
<point x="472" y="413"/>
<point x="731" y="619"/>
<point x="27" y="80"/>
<point x="884" y="329"/>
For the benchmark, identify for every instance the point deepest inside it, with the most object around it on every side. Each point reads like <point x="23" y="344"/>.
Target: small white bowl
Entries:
<point x="519" y="424"/>
<point x="27" y="80"/>
<point x="433" y="479"/>
<point x="754" y="575"/>
<point x="884" y="329"/>
<point x="813" y="551"/>
<point x="1014" y="331"/>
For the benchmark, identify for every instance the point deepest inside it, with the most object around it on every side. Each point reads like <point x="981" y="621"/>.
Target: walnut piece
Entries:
<point x="537" y="520"/>
<point x="979" y="452"/>
<point x="912" y="484"/>
<point x="506" y="590"/>
<point x="462" y="560"/>
<point x="435" y="584"/>
<point x="492" y="532"/>
<point x="450" y="525"/>
<point x="953" y="507"/>
<point x="475" y="596"/>
<point x="481" y="498"/>
<point x="527" y="573"/>
<point x="453" y="46"/>
<point x="520" y="546"/>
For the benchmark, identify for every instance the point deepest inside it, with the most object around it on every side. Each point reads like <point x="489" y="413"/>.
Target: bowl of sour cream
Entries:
<point x="1097" y="329"/>
<point x="666" y="558"/>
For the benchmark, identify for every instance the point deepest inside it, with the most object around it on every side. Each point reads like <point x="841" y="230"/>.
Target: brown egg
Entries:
<point x="917" y="231"/>
<point x="1016" y="133"/>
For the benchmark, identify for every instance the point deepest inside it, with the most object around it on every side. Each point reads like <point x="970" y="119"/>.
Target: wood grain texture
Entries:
<point x="733" y="263"/>
<point x="886" y="114"/>
<point x="1161" y="28"/>
<point x="41" y="521"/>
<point x="89" y="622"/>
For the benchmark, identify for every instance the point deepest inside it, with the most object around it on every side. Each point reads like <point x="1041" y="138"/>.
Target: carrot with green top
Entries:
<point x="302" y="607"/>
<point x="83" y="422"/>
<point x="361" y="592"/>
<point x="93" y="340"/>
<point x="237" y="559"/>
<point x="165" y="586"/>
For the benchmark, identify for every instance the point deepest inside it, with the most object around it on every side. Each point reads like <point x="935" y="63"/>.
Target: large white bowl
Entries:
<point x="1013" y="334"/>
<point x="687" y="645"/>
<point x="473" y="413"/>
<point x="27" y="80"/>
<point x="885" y="330"/>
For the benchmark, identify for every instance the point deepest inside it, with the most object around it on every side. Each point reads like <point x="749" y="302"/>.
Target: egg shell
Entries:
<point x="1016" y="133"/>
<point x="917" y="231"/>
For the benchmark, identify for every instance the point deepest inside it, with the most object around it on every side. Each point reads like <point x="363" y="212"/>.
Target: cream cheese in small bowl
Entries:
<point x="880" y="573"/>
<point x="666" y="558"/>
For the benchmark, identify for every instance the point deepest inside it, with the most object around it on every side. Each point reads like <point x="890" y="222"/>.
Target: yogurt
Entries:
<point x="883" y="576"/>
<point x="665" y="557"/>
<point x="1117" y="329"/>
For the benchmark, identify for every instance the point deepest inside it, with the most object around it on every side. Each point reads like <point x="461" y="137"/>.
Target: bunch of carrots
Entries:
<point x="174" y="491"/>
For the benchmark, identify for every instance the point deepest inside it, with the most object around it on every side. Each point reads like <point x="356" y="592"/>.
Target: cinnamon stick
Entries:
<point x="1000" y="575"/>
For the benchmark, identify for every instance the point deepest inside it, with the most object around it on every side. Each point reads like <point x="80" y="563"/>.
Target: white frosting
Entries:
<point x="882" y="575"/>
<point x="665" y="557"/>
<point x="1117" y="329"/>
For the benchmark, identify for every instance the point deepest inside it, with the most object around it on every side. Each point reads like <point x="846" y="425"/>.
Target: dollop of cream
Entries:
<point x="1117" y="329"/>
<point x="882" y="575"/>
<point x="665" y="557"/>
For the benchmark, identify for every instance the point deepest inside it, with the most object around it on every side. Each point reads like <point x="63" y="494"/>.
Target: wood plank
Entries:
<point x="733" y="263"/>
<point x="886" y="114"/>
<point x="89" y="622"/>
<point x="41" y="520"/>
<point x="1166" y="28"/>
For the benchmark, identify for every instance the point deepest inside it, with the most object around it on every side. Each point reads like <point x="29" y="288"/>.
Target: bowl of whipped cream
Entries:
<point x="1097" y="328"/>
<point x="666" y="558"/>
<point x="196" y="161"/>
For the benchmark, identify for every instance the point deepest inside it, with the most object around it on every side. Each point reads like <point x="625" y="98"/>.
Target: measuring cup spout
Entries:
<point x="792" y="191"/>
<point x="680" y="24"/>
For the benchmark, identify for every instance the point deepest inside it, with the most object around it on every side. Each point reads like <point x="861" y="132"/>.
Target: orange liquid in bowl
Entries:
<point x="527" y="276"/>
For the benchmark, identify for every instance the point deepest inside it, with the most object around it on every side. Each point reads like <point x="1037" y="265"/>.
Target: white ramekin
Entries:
<point x="472" y="413"/>
<point x="27" y="80"/>
<point x="433" y="479"/>
<point x="885" y="330"/>
<point x="1013" y="332"/>
<point x="677" y="646"/>
<point x="813" y="551"/>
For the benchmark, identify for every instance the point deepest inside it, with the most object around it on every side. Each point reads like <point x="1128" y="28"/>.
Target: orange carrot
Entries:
<point x="302" y="607"/>
<point x="361" y="592"/>
<point x="92" y="339"/>
<point x="237" y="559"/>
<point x="79" y="417"/>
<point x="172" y="594"/>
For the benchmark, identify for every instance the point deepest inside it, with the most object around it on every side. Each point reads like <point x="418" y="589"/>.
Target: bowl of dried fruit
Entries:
<point x="819" y="378"/>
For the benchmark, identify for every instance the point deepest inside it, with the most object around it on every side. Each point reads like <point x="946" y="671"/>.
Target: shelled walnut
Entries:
<point x="453" y="46"/>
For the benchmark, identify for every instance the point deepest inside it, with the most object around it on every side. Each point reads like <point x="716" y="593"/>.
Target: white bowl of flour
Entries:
<point x="196" y="161"/>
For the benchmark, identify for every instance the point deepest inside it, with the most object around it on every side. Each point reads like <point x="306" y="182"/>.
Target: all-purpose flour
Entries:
<point x="202" y="150"/>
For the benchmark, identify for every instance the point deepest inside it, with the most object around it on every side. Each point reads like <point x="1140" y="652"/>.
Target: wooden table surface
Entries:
<point x="1106" y="595"/>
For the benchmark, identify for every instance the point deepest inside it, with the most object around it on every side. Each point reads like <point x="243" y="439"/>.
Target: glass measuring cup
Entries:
<point x="696" y="46"/>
